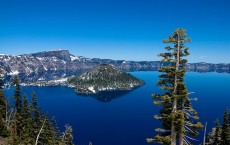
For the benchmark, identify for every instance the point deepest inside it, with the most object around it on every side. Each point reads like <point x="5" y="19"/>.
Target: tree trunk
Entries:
<point x="173" y="130"/>
<point x="174" y="106"/>
<point x="181" y="136"/>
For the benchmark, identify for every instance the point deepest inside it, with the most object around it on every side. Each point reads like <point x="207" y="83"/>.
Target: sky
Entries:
<point x="115" y="29"/>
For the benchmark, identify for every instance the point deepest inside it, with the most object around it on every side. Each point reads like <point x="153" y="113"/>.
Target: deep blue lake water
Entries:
<point x="127" y="118"/>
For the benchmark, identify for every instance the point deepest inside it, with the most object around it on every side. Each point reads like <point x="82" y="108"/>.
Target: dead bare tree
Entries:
<point x="40" y="132"/>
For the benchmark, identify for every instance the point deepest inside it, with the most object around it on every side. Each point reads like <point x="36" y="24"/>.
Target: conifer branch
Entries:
<point x="191" y="93"/>
<point x="186" y="141"/>
<point x="190" y="138"/>
<point x="189" y="129"/>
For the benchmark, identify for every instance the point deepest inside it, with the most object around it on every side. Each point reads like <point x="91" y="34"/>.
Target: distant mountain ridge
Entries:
<point x="56" y="64"/>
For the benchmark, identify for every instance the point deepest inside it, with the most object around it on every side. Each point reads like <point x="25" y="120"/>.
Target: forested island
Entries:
<point x="104" y="77"/>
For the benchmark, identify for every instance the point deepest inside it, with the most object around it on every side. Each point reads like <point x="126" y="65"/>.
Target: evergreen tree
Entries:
<point x="55" y="130"/>
<point x="225" y="130"/>
<point x="17" y="122"/>
<point x="27" y="135"/>
<point x="35" y="114"/>
<point x="217" y="139"/>
<point x="3" y="129"/>
<point x="2" y="100"/>
<point x="177" y="115"/>
<point x="28" y="122"/>
<point x="17" y="95"/>
<point x="48" y="135"/>
<point x="25" y="108"/>
<point x="67" y="137"/>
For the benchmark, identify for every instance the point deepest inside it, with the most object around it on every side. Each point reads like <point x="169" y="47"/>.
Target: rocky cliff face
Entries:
<point x="41" y="66"/>
<point x="104" y="77"/>
<point x="60" y="63"/>
<point x="209" y="67"/>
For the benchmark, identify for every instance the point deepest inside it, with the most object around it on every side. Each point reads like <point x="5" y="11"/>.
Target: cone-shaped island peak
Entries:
<point x="104" y="77"/>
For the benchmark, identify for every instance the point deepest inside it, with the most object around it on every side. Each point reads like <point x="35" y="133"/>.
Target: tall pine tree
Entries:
<point x="225" y="135"/>
<point x="55" y="130"/>
<point x="177" y="115"/>
<point x="35" y="114"/>
<point x="67" y="137"/>
<point x="17" y="123"/>
<point x="17" y="95"/>
<point x="2" y="99"/>
<point x="3" y="129"/>
<point x="217" y="138"/>
<point x="47" y="136"/>
<point x="27" y="136"/>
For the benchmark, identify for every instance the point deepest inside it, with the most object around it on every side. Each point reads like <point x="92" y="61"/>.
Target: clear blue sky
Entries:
<point x="116" y="29"/>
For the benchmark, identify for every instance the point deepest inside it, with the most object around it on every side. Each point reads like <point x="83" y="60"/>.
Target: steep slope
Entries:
<point x="41" y="66"/>
<point x="103" y="78"/>
<point x="55" y="64"/>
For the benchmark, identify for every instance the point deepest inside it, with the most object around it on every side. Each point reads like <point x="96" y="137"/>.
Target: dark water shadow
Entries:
<point x="107" y="96"/>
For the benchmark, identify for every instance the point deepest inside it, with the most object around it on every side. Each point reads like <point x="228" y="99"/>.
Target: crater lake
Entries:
<point x="126" y="118"/>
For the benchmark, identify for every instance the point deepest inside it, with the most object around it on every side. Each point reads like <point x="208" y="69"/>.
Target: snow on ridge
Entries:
<point x="124" y="62"/>
<point x="74" y="58"/>
<point x="54" y="58"/>
<point x="39" y="58"/>
<point x="14" y="72"/>
<point x="57" y="50"/>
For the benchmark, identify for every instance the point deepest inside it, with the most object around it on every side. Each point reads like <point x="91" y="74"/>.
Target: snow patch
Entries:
<point x="62" y="80"/>
<point x="124" y="62"/>
<point x="91" y="89"/>
<point x="39" y="58"/>
<point x="14" y="72"/>
<point x="30" y="70"/>
<point x="57" y="50"/>
<point x="54" y="58"/>
<point x="41" y="79"/>
<point x="64" y="61"/>
<point x="74" y="58"/>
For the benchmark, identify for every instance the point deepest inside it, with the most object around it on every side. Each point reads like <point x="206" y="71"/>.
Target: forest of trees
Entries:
<point x="220" y="135"/>
<point x="22" y="122"/>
